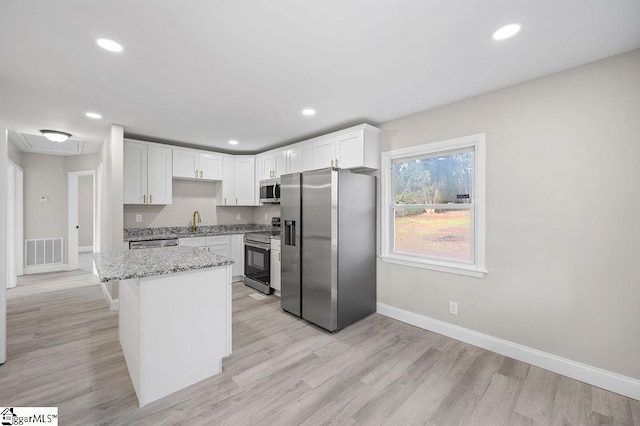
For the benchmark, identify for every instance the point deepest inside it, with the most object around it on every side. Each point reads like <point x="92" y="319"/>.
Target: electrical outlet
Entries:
<point x="453" y="308"/>
<point x="138" y="218"/>
<point x="238" y="217"/>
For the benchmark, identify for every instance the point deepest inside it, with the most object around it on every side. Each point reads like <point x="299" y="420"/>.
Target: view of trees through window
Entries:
<point x="428" y="195"/>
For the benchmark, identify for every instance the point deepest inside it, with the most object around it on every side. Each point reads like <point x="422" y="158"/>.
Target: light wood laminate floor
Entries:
<point x="63" y="351"/>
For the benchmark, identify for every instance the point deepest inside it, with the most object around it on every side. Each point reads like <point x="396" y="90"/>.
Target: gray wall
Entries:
<point x="562" y="215"/>
<point x="85" y="211"/>
<point x="48" y="175"/>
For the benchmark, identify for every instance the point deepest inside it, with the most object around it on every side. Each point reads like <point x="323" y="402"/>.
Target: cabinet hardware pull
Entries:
<point x="332" y="162"/>
<point x="336" y="163"/>
<point x="150" y="199"/>
<point x="279" y="255"/>
<point x="196" y="173"/>
<point x="236" y="201"/>
<point x="225" y="200"/>
<point x="144" y="199"/>
<point x="200" y="173"/>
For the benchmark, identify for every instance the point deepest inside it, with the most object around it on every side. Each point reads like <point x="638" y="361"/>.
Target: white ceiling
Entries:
<point x="203" y="72"/>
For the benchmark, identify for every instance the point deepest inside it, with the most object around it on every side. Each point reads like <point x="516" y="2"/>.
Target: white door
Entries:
<point x="237" y="254"/>
<point x="11" y="226"/>
<point x="324" y="152"/>
<point x="135" y="173"/>
<point x="210" y="166"/>
<point x="268" y="167"/>
<point x="19" y="204"/>
<point x="185" y="163"/>
<point x="244" y="182"/>
<point x="159" y="175"/>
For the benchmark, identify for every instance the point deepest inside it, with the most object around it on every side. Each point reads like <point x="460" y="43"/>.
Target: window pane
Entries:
<point x="438" y="233"/>
<point x="441" y="179"/>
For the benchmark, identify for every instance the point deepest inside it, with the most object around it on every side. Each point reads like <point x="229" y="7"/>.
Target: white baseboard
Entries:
<point x="85" y="249"/>
<point x="41" y="269"/>
<point x="114" y="304"/>
<point x="604" y="379"/>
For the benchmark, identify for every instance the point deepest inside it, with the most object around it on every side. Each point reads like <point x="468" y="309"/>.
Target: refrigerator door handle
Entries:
<point x="290" y="232"/>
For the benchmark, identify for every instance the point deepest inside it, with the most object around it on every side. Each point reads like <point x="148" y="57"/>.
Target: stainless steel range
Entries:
<point x="257" y="258"/>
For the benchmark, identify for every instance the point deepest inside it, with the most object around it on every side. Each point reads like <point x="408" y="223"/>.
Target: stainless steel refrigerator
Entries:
<point x="328" y="246"/>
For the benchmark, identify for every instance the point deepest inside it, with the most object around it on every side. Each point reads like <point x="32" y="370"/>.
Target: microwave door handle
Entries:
<point x="290" y="232"/>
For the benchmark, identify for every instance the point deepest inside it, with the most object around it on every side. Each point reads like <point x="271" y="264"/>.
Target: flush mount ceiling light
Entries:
<point x="109" y="45"/>
<point x="55" y="135"/>
<point x="94" y="115"/>
<point x="309" y="112"/>
<point x="506" y="32"/>
<point x="232" y="142"/>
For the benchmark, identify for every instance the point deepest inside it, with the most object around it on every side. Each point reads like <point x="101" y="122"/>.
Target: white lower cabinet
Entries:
<point x="237" y="254"/>
<point x="231" y="246"/>
<point x="275" y="265"/>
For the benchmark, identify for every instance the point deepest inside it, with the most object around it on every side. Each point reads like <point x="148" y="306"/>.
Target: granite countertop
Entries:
<point x="145" y="234"/>
<point x="113" y="266"/>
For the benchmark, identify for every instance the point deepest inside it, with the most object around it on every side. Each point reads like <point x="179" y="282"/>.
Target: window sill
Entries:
<point x="454" y="268"/>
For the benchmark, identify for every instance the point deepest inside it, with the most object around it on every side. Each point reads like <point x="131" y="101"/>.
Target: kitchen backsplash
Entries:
<point x="189" y="196"/>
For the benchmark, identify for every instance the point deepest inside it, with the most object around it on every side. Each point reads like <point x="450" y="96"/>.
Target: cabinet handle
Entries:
<point x="236" y="201"/>
<point x="332" y="162"/>
<point x="279" y="255"/>
<point x="336" y="163"/>
<point x="225" y="200"/>
<point x="196" y="173"/>
<point x="150" y="199"/>
<point x="144" y="199"/>
<point x="200" y="173"/>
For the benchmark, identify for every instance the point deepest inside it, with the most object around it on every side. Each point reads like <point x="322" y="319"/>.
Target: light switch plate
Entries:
<point x="238" y="217"/>
<point x="138" y="218"/>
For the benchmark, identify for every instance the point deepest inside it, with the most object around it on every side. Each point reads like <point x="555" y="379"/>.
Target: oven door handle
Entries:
<point x="258" y="245"/>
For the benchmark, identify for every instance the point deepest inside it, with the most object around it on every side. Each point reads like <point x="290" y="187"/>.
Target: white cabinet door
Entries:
<point x="185" y="163"/>
<point x="193" y="242"/>
<point x="219" y="250"/>
<point x="267" y="166"/>
<point x="210" y="167"/>
<point x="245" y="188"/>
<point x="275" y="265"/>
<point x="237" y="254"/>
<point x="293" y="160"/>
<point x="280" y="163"/>
<point x="135" y="173"/>
<point x="306" y="157"/>
<point x="350" y="148"/>
<point x="159" y="184"/>
<point x="228" y="181"/>
<point x="324" y="152"/>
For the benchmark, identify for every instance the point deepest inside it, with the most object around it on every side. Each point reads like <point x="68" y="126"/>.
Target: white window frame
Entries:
<point x="478" y="238"/>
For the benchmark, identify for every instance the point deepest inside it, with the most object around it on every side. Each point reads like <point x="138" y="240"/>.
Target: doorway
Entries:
<point x="15" y="230"/>
<point x="82" y="225"/>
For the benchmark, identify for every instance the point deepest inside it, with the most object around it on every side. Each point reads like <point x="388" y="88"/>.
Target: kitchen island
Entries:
<point x="174" y="322"/>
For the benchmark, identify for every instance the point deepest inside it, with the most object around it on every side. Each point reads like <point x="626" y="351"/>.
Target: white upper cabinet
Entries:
<point x="147" y="173"/>
<point x="356" y="148"/>
<point x="324" y="152"/>
<point x="272" y="164"/>
<point x="300" y="158"/>
<point x="196" y="164"/>
<point x="238" y="181"/>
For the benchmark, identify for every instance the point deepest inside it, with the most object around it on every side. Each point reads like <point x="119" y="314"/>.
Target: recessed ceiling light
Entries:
<point x="505" y="32"/>
<point x="109" y="45"/>
<point x="309" y="111"/>
<point x="55" y="135"/>
<point x="94" y="115"/>
<point x="232" y="142"/>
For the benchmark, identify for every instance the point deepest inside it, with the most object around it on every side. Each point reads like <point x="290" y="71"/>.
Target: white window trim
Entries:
<point x="478" y="268"/>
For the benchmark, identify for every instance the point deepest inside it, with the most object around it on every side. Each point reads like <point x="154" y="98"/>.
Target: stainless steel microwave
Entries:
<point x="270" y="191"/>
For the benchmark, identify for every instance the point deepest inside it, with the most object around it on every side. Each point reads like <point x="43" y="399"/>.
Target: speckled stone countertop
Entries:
<point x="145" y="234"/>
<point x="114" y="266"/>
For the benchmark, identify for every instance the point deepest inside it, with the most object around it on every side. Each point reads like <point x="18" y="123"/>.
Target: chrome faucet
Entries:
<point x="194" y="227"/>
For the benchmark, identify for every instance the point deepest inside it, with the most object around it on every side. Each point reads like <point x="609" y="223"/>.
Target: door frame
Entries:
<point x="72" y="216"/>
